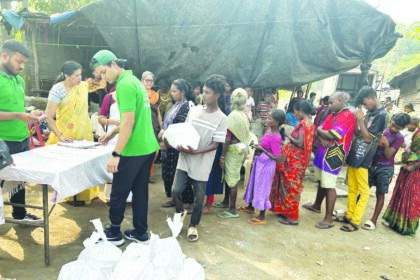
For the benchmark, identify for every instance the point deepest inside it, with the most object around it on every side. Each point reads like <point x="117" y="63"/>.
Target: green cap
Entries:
<point x="103" y="57"/>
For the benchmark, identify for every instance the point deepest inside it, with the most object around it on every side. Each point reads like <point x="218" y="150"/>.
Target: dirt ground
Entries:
<point x="227" y="248"/>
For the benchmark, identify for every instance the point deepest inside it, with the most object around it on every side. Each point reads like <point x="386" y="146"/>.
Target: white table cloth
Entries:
<point x="68" y="170"/>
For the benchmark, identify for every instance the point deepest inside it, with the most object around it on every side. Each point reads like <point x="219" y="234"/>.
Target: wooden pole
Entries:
<point x="35" y="56"/>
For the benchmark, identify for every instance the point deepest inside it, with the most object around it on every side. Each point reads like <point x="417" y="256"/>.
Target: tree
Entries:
<point x="405" y="54"/>
<point x="57" y="6"/>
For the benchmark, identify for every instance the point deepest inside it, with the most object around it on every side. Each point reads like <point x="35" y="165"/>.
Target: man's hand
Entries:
<point x="188" y="150"/>
<point x="27" y="117"/>
<point x="112" y="165"/>
<point x="383" y="141"/>
<point x="358" y="113"/>
<point x="325" y="143"/>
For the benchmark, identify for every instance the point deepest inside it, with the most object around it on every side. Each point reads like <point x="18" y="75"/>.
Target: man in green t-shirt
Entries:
<point x="13" y="118"/>
<point x="134" y="152"/>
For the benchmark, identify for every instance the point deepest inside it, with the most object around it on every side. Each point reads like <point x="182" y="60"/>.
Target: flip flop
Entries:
<point x="246" y="210"/>
<point x="256" y="221"/>
<point x="219" y="205"/>
<point x="308" y="206"/>
<point x="287" y="222"/>
<point x="227" y="215"/>
<point x="168" y="204"/>
<point x="322" y="225"/>
<point x="349" y="227"/>
<point x="368" y="225"/>
<point x="192" y="234"/>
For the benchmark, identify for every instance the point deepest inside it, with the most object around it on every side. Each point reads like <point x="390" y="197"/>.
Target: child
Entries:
<point x="381" y="169"/>
<point x="195" y="164"/>
<point x="258" y="190"/>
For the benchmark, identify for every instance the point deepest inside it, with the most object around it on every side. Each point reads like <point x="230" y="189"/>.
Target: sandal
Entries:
<point x="227" y="215"/>
<point x="288" y="222"/>
<point x="350" y="227"/>
<point x="246" y="210"/>
<point x="220" y="205"/>
<point x="169" y="203"/>
<point x="308" y="206"/>
<point x="256" y="221"/>
<point x="192" y="234"/>
<point x="322" y="225"/>
<point x="368" y="225"/>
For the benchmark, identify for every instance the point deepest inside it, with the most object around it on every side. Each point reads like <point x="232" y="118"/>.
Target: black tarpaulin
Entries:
<point x="264" y="43"/>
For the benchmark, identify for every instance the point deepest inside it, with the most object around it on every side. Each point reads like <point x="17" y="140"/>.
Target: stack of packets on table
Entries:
<point x="182" y="134"/>
<point x="83" y="144"/>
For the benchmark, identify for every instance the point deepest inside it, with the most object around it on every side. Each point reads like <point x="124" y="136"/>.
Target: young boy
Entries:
<point x="363" y="149"/>
<point x="381" y="169"/>
<point x="265" y="107"/>
<point x="211" y="125"/>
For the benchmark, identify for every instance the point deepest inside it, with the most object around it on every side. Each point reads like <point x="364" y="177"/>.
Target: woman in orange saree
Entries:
<point x="287" y="184"/>
<point x="68" y="103"/>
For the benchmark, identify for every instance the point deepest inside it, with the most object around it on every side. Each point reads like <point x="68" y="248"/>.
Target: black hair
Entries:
<point x="325" y="100"/>
<point x="299" y="91"/>
<point x="197" y="84"/>
<point x="401" y="119"/>
<point x="68" y="68"/>
<point x="312" y="94"/>
<point x="409" y="106"/>
<point x="364" y="92"/>
<point x="185" y="87"/>
<point x="13" y="46"/>
<point x="217" y="83"/>
<point x="230" y="83"/>
<point x="280" y="117"/>
<point x="305" y="107"/>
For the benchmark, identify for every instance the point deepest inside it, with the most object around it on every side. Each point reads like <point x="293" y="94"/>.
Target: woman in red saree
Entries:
<point x="288" y="180"/>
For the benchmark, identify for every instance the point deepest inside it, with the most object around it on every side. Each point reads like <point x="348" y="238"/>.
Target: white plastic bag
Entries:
<point x="191" y="270"/>
<point x="96" y="261"/>
<point x="79" y="270"/>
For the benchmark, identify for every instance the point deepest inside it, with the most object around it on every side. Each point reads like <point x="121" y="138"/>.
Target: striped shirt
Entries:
<point x="212" y="128"/>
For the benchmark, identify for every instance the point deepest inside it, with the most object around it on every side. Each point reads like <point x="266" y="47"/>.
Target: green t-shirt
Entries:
<point x="12" y="99"/>
<point x="132" y="97"/>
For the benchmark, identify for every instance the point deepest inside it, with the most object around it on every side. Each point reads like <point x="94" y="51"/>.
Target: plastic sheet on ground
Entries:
<point x="157" y="259"/>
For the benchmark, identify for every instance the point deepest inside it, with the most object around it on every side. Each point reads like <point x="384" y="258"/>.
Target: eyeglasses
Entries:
<point x="148" y="80"/>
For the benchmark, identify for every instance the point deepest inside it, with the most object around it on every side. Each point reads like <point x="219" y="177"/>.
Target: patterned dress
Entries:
<point x="288" y="180"/>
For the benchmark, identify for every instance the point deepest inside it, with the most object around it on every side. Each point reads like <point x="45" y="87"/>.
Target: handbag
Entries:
<point x="5" y="157"/>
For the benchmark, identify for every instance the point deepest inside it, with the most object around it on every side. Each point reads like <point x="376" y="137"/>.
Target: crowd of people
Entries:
<point x="135" y="117"/>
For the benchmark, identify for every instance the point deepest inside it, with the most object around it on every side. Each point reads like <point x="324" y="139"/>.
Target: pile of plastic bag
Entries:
<point x="158" y="259"/>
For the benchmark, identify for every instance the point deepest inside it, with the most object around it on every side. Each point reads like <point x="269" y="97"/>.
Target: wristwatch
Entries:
<point x="115" y="154"/>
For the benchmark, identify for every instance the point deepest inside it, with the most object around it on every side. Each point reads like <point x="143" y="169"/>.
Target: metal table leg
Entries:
<point x="46" y="224"/>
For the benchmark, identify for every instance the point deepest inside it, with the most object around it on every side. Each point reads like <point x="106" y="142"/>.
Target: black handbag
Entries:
<point x="5" y="158"/>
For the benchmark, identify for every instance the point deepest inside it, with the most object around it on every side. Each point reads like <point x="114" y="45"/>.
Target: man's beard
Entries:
<point x="8" y="70"/>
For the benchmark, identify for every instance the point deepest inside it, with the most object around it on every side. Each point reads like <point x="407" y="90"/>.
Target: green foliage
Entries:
<point x="57" y="6"/>
<point x="405" y="54"/>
